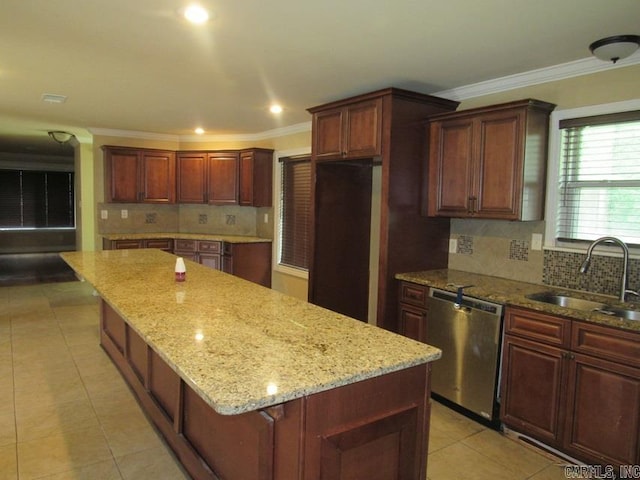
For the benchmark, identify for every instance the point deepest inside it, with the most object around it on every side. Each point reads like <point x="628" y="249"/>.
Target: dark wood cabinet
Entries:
<point x="489" y="162"/>
<point x="573" y="385"/>
<point x="251" y="261"/>
<point x="348" y="131"/>
<point x="139" y="175"/>
<point x="256" y="183"/>
<point x="371" y="147"/>
<point x="412" y="311"/>
<point x="192" y="177"/>
<point x="222" y="174"/>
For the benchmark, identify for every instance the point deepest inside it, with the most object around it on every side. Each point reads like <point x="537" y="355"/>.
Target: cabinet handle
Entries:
<point x="472" y="205"/>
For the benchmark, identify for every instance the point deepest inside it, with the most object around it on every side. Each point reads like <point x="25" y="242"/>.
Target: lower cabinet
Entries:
<point x="165" y="244"/>
<point x="573" y="385"/>
<point x="412" y="312"/>
<point x="375" y="428"/>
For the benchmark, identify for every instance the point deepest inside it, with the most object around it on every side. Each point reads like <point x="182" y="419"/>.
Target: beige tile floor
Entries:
<point x="66" y="414"/>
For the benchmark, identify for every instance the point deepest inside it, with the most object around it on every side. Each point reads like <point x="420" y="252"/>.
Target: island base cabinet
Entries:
<point x="374" y="429"/>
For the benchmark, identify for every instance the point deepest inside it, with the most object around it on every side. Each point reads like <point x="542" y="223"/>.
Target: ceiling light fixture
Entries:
<point x="196" y="14"/>
<point x="53" y="98"/>
<point x="612" y="49"/>
<point x="275" y="109"/>
<point x="61" y="137"/>
<point x="199" y="130"/>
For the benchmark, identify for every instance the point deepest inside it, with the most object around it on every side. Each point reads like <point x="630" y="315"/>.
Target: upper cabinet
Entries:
<point x="256" y="169"/>
<point x="229" y="177"/>
<point x="349" y="131"/>
<point x="489" y="162"/>
<point x="139" y="175"/>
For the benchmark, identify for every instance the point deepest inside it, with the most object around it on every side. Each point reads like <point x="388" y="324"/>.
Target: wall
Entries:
<point x="504" y="248"/>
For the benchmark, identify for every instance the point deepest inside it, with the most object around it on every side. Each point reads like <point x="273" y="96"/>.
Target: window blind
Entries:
<point x="599" y="178"/>
<point x="295" y="211"/>
<point x="35" y="199"/>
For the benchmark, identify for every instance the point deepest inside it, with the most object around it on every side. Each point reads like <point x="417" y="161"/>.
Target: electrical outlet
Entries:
<point x="104" y="214"/>
<point x="266" y="218"/>
<point x="453" y="245"/>
<point x="124" y="213"/>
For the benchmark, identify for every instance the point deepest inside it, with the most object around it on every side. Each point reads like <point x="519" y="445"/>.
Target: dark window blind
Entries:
<point x="295" y="212"/>
<point x="599" y="178"/>
<point x="36" y="199"/>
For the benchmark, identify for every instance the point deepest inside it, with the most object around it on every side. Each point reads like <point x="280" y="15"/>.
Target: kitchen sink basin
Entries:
<point x="620" y="312"/>
<point x="566" y="301"/>
<point x="585" y="305"/>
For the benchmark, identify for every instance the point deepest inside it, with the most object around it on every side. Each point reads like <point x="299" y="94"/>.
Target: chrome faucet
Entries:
<point x="584" y="268"/>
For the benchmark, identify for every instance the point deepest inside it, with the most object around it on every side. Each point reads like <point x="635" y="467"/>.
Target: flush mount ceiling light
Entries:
<point x="196" y="14"/>
<point x="612" y="49"/>
<point x="61" y="137"/>
<point x="275" y="108"/>
<point x="199" y="131"/>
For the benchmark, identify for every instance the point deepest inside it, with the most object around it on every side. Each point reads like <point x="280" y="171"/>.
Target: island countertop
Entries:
<point x="240" y="346"/>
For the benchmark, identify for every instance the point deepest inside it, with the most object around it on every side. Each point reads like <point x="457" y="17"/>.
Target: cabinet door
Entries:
<point x="158" y="176"/>
<point x="413" y="323"/>
<point x="223" y="178"/>
<point x="122" y="174"/>
<point x="498" y="182"/>
<point x="450" y="168"/>
<point x="192" y="177"/>
<point x="532" y="395"/>
<point x="363" y="129"/>
<point x="256" y="183"/>
<point x="211" y="260"/>
<point x="327" y="133"/>
<point x="603" y="416"/>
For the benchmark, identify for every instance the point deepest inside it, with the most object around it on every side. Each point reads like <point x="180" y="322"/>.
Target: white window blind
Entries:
<point x="599" y="178"/>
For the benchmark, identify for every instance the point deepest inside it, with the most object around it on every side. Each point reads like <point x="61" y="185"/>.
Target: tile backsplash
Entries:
<point x="152" y="218"/>
<point x="503" y="249"/>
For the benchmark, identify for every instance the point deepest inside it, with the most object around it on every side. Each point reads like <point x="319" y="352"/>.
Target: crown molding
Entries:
<point x="576" y="68"/>
<point x="108" y="132"/>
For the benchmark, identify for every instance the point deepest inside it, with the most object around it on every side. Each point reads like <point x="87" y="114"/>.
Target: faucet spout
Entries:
<point x="584" y="268"/>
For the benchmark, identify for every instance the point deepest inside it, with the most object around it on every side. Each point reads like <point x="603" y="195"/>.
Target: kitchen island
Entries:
<point x="246" y="383"/>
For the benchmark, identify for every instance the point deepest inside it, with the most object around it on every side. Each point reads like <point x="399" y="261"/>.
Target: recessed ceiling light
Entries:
<point x="53" y="98"/>
<point x="275" y="108"/>
<point x="196" y="14"/>
<point x="199" y="130"/>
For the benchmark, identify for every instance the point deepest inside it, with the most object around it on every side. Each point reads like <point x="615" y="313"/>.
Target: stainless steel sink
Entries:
<point x="566" y="301"/>
<point x="585" y="305"/>
<point x="620" y="312"/>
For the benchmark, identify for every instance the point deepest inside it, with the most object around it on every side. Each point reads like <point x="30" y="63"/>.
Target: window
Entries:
<point x="594" y="175"/>
<point x="35" y="199"/>
<point x="295" y="211"/>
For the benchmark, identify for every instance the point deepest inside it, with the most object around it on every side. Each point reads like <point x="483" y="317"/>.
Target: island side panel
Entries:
<point x="376" y="429"/>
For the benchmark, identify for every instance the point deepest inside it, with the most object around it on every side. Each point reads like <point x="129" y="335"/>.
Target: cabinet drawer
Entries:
<point x="538" y="326"/>
<point x="161" y="243"/>
<point x="414" y="294"/>
<point x="209" y="246"/>
<point x="185" y="245"/>
<point x="606" y="342"/>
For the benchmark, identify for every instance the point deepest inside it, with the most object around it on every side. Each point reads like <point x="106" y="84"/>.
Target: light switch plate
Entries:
<point x="453" y="245"/>
<point x="536" y="241"/>
<point x="124" y="213"/>
<point x="266" y="218"/>
<point x="104" y="214"/>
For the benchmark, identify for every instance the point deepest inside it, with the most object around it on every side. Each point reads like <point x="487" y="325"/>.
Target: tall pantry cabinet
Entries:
<point x="368" y="161"/>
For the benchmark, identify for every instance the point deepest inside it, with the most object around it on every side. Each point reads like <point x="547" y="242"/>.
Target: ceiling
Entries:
<point x="138" y="66"/>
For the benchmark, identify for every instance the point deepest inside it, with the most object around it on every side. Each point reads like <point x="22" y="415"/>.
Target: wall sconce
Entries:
<point x="61" y="137"/>
<point x="612" y="49"/>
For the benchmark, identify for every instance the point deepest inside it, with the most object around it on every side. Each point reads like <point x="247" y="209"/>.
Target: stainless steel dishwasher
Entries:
<point x="468" y="331"/>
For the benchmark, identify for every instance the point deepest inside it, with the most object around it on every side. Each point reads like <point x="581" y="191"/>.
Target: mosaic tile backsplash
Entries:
<point x="604" y="275"/>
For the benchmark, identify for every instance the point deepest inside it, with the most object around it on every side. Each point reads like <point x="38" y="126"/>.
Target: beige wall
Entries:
<point x="493" y="241"/>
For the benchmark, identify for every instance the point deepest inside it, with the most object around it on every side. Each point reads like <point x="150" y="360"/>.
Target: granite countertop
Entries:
<point x="241" y="346"/>
<point x="186" y="236"/>
<point x="512" y="292"/>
